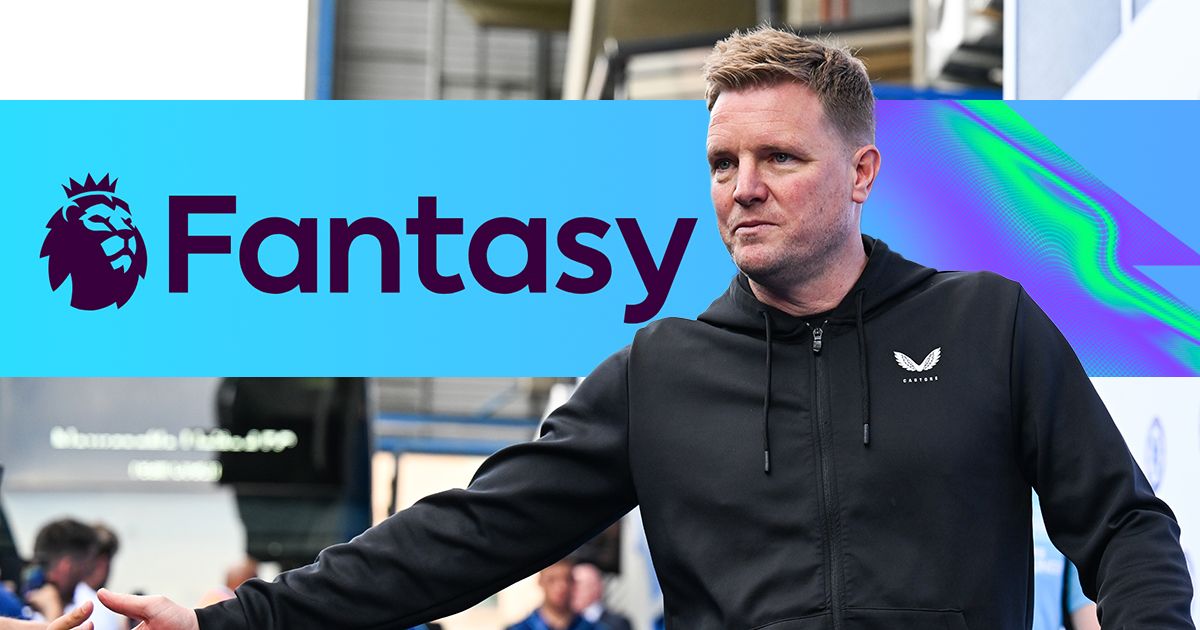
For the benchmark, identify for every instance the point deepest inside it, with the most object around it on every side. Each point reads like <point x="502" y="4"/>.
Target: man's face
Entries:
<point x="589" y="586"/>
<point x="783" y="182"/>
<point x="98" y="577"/>
<point x="69" y="571"/>
<point x="557" y="583"/>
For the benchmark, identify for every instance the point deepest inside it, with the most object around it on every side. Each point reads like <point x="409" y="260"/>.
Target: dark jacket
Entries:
<point x="610" y="620"/>
<point x="865" y="469"/>
<point x="535" y="622"/>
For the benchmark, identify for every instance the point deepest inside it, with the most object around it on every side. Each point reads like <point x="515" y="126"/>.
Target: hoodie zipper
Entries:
<point x="824" y="442"/>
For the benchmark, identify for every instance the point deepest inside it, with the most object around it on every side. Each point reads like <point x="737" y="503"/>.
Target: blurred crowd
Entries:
<point x="572" y="599"/>
<point x="71" y="562"/>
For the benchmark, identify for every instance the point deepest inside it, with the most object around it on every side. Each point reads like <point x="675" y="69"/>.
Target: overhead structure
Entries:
<point x="638" y="49"/>
<point x="543" y="15"/>
<point x="626" y="19"/>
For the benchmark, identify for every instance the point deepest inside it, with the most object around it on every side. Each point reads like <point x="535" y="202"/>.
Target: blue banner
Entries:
<point x="418" y="238"/>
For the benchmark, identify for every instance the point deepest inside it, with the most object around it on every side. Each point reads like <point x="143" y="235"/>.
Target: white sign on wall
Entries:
<point x="1160" y="419"/>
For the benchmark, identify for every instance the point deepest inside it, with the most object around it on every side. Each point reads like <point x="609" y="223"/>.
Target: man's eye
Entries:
<point x="780" y="158"/>
<point x="722" y="164"/>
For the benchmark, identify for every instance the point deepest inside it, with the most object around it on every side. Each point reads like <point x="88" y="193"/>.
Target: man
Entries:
<point x="65" y="550"/>
<point x="107" y="544"/>
<point x="71" y="554"/>
<point x="235" y="576"/>
<point x="557" y="582"/>
<point x="795" y="468"/>
<point x="588" y="599"/>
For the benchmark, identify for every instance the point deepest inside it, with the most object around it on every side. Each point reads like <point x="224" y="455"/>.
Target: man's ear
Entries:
<point x="866" y="167"/>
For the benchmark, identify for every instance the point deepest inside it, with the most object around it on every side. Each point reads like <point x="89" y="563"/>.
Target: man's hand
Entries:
<point x="73" y="619"/>
<point x="156" y="612"/>
<point x="46" y="601"/>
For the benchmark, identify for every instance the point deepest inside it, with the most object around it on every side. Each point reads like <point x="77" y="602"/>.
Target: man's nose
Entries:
<point x="749" y="188"/>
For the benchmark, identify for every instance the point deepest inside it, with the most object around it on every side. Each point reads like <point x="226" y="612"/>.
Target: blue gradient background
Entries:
<point x="482" y="160"/>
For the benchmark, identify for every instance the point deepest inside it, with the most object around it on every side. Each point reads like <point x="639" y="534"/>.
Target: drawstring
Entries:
<point x="862" y="376"/>
<point x="766" y="411"/>
<point x="862" y="367"/>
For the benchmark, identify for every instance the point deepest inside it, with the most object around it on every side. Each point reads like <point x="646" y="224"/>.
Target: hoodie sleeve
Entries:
<point x="527" y="506"/>
<point x="1099" y="509"/>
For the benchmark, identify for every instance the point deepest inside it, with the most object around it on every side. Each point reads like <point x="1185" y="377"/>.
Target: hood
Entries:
<point x="886" y="278"/>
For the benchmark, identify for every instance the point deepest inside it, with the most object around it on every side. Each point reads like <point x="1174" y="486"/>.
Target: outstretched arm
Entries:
<point x="1098" y="507"/>
<point x="528" y="506"/>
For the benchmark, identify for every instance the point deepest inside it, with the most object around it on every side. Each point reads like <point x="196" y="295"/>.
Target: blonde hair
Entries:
<point x="767" y="56"/>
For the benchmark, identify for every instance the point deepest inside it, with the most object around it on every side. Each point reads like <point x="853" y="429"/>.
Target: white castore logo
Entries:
<point x="907" y="363"/>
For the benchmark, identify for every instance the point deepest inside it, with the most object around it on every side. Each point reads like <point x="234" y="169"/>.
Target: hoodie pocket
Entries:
<point x="812" y="622"/>
<point x="876" y="619"/>
<point x="904" y="619"/>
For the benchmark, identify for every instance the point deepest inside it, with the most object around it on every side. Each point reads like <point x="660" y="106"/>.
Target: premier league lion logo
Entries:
<point x="93" y="241"/>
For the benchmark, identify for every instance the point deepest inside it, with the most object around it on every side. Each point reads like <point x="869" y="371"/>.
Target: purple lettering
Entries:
<point x="427" y="226"/>
<point x="303" y="275"/>
<point x="531" y="276"/>
<point x="183" y="244"/>
<point x="657" y="279"/>
<point x="341" y="236"/>
<point x="569" y="245"/>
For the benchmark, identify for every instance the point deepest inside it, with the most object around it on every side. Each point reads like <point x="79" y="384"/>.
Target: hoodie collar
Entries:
<point x="886" y="276"/>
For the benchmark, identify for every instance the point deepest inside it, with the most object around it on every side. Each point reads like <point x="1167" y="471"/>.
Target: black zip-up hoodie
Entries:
<point x="865" y="469"/>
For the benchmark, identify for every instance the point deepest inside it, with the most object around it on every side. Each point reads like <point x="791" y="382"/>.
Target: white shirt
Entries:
<point x="102" y="618"/>
<point x="594" y="612"/>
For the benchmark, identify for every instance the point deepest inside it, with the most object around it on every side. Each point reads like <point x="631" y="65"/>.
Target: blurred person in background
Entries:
<point x="588" y="599"/>
<point x="107" y="544"/>
<point x="65" y="552"/>
<point x="11" y="605"/>
<point x="235" y="576"/>
<point x="557" y="582"/>
<point x="68" y="553"/>
<point x="240" y="573"/>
